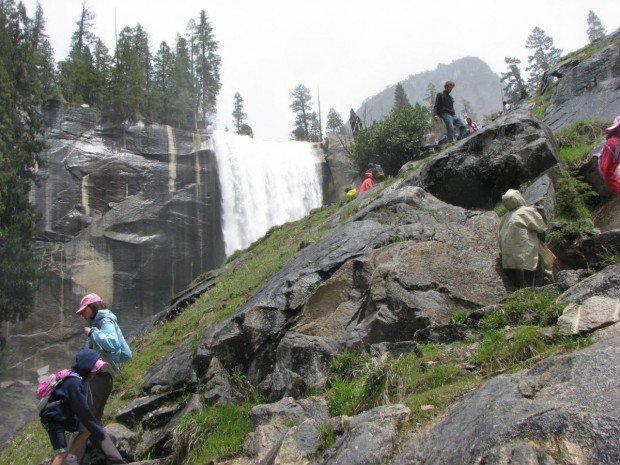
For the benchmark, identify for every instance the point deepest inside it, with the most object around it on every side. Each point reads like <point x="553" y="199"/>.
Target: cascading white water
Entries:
<point x="264" y="183"/>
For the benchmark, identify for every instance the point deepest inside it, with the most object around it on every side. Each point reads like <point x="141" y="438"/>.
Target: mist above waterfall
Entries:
<point x="264" y="183"/>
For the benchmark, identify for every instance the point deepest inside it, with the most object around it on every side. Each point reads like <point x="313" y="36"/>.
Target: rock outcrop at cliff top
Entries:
<point x="587" y="86"/>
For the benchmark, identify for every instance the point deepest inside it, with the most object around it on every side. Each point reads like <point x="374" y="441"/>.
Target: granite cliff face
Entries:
<point x="588" y="86"/>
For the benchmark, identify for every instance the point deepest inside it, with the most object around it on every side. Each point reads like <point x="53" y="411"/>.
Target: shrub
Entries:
<point x="393" y="141"/>
<point x="577" y="140"/>
<point x="213" y="433"/>
<point x="524" y="307"/>
<point x="571" y="197"/>
<point x="344" y="397"/>
<point x="496" y="351"/>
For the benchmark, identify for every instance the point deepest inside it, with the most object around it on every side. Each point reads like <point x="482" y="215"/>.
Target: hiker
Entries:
<point x="67" y="410"/>
<point x="444" y="109"/>
<point x="350" y="192"/>
<point x="368" y="183"/>
<point x="609" y="159"/>
<point x="104" y="336"/>
<point x="520" y="232"/>
<point x="471" y="125"/>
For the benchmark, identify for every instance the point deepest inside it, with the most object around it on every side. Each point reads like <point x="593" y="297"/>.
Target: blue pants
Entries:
<point x="450" y="121"/>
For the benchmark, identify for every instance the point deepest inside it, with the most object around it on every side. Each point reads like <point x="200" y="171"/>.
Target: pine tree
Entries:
<point x="163" y="71"/>
<point x="182" y="86"/>
<point x="595" y="27"/>
<point x="246" y="130"/>
<point x="207" y="64"/>
<point x="302" y="107"/>
<point x="430" y="95"/>
<point x="126" y="92"/>
<point x="103" y="65"/>
<point x="400" y="97"/>
<point x="544" y="57"/>
<point x="43" y="57"/>
<point x="22" y="126"/>
<point x="315" y="128"/>
<point x="515" y="89"/>
<point x="77" y="74"/>
<point x="238" y="113"/>
<point x="334" y="121"/>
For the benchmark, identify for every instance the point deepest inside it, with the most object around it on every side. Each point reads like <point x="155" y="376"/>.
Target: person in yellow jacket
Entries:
<point x="520" y="232"/>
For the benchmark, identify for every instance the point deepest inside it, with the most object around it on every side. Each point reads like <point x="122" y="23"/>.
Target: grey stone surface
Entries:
<point x="605" y="283"/>
<point x="568" y="278"/>
<point x="478" y="170"/>
<point x="600" y="247"/>
<point x="173" y="371"/>
<point x="594" y="313"/>
<point x="133" y="413"/>
<point x="124" y="439"/>
<point x="369" y="437"/>
<point x="587" y="88"/>
<point x="566" y="406"/>
<point x="219" y="389"/>
<point x="290" y="410"/>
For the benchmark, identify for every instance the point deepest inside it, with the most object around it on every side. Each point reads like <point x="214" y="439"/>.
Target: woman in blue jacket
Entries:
<point x="105" y="336"/>
<point x="67" y="410"/>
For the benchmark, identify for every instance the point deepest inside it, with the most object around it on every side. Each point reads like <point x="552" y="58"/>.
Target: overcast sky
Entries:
<point x="349" y="50"/>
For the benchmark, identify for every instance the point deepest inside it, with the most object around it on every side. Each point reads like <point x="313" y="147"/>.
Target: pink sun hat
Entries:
<point x="86" y="301"/>
<point x="614" y="126"/>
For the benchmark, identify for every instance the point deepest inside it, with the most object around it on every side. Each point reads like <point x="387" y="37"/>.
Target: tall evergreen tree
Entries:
<point x="316" y="131"/>
<point x="163" y="75"/>
<point x="140" y="42"/>
<point x="302" y="108"/>
<point x="126" y="92"/>
<point x="334" y="121"/>
<point x="515" y="89"/>
<point x="544" y="56"/>
<point x="400" y="97"/>
<point x="207" y="64"/>
<point x="182" y="86"/>
<point x="77" y="74"/>
<point x="102" y="65"/>
<point x="20" y="92"/>
<point x="43" y="57"/>
<point x="595" y="27"/>
<point x="429" y="98"/>
<point x="238" y="113"/>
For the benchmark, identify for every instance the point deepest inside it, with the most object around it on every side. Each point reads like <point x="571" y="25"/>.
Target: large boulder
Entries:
<point x="388" y="271"/>
<point x="587" y="86"/>
<point x="566" y="407"/>
<point x="478" y="170"/>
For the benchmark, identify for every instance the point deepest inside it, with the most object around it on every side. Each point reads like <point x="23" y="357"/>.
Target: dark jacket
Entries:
<point x="73" y="406"/>
<point x="444" y="103"/>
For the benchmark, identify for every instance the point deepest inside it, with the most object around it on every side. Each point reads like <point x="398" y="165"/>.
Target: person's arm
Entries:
<point x="79" y="404"/>
<point x="105" y="337"/>
<point x="436" y="107"/>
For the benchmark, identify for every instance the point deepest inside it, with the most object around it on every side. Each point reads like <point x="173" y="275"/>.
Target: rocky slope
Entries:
<point x="392" y="270"/>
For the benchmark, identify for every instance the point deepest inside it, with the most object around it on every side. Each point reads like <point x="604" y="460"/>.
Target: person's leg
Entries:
<point x="56" y="433"/>
<point x="447" y="119"/>
<point x="98" y="390"/>
<point x="459" y="123"/>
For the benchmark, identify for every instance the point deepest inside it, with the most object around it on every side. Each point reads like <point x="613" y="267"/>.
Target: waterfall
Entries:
<point x="264" y="183"/>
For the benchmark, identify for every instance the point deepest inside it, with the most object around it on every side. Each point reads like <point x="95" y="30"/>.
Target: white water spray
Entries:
<point x="264" y="183"/>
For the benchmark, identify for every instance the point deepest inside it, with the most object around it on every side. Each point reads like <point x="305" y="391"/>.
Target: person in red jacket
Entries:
<point x="609" y="160"/>
<point x="369" y="182"/>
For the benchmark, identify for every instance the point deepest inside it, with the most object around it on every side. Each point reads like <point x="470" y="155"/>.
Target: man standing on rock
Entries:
<point x="444" y="109"/>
